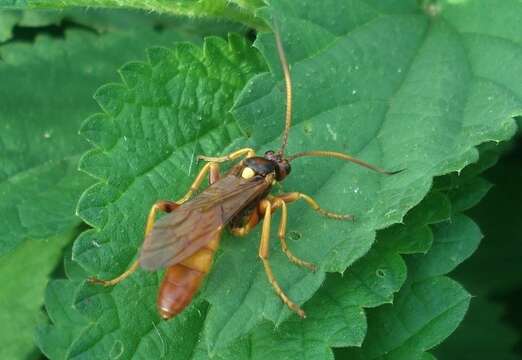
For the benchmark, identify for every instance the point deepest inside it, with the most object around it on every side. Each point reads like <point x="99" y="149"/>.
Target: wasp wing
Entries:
<point x="194" y="224"/>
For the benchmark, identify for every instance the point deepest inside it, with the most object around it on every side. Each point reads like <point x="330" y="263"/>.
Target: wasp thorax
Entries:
<point x="260" y="166"/>
<point x="247" y="173"/>
<point x="282" y="166"/>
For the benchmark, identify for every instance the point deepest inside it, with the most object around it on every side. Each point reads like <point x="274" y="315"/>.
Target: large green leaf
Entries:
<point x="24" y="275"/>
<point x="46" y="93"/>
<point x="388" y="82"/>
<point x="236" y="10"/>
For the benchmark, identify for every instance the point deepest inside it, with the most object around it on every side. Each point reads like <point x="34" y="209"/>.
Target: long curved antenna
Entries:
<point x="288" y="85"/>
<point x="338" y="155"/>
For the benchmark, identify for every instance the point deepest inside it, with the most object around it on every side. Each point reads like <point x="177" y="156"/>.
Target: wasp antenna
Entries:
<point x="342" y="156"/>
<point x="288" y="86"/>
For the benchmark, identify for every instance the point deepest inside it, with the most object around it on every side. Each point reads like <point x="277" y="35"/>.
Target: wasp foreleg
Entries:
<point x="213" y="169"/>
<point x="264" y="248"/>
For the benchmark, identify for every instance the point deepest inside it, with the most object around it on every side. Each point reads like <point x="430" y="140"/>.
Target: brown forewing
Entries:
<point x="194" y="224"/>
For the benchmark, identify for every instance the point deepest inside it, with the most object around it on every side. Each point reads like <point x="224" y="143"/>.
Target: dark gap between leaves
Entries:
<point x="28" y="34"/>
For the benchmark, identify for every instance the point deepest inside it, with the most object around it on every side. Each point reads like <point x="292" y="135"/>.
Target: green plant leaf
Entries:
<point x="466" y="188"/>
<point x="55" y="339"/>
<point x="430" y="306"/>
<point x="456" y="241"/>
<point x="110" y="20"/>
<point x="496" y="268"/>
<point x="240" y="10"/>
<point x="39" y="183"/>
<point x="24" y="274"/>
<point x="396" y="85"/>
<point x="68" y="323"/>
<point x="416" y="322"/>
<point x="471" y="342"/>
<point x="492" y="270"/>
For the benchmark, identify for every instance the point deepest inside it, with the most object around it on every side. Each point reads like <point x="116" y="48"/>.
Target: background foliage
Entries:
<point x="402" y="84"/>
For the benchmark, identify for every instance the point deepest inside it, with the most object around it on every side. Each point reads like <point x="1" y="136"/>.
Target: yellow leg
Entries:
<point x="164" y="205"/>
<point x="210" y="167"/>
<point x="282" y="237"/>
<point x="135" y="265"/>
<point x="247" y="152"/>
<point x="294" y="196"/>
<point x="264" y="248"/>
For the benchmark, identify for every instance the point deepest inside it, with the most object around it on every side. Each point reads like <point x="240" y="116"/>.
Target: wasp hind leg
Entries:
<point x="164" y="206"/>
<point x="264" y="248"/>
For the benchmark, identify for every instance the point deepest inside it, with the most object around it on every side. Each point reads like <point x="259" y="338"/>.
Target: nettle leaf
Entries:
<point x="414" y="92"/>
<point x="429" y="306"/>
<point x="237" y="10"/>
<point x="480" y="275"/>
<point x="55" y="339"/>
<point x="111" y="20"/>
<point x="466" y="188"/>
<point x="40" y="146"/>
<point x="496" y="267"/>
<point x="24" y="274"/>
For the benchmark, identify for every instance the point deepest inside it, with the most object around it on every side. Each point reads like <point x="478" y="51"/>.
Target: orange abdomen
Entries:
<point x="182" y="281"/>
